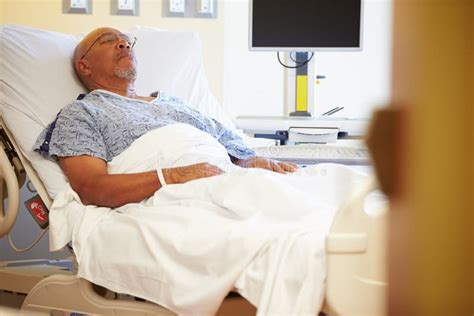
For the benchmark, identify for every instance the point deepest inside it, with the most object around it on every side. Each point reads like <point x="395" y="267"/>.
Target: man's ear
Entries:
<point x="82" y="67"/>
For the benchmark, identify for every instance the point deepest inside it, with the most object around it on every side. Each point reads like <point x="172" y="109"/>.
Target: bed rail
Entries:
<point x="13" y="170"/>
<point x="32" y="174"/>
<point x="70" y="294"/>
<point x="356" y="255"/>
<point x="9" y="177"/>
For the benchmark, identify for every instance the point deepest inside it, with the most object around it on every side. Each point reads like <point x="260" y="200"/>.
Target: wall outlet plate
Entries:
<point x="205" y="9"/>
<point x="77" y="6"/>
<point x="124" y="7"/>
<point x="190" y="8"/>
<point x="176" y="8"/>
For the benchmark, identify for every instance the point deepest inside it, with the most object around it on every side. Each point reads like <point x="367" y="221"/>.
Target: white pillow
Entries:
<point x="172" y="62"/>
<point x="37" y="80"/>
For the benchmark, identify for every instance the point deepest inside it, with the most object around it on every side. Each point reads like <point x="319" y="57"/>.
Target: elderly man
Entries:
<point x="97" y="127"/>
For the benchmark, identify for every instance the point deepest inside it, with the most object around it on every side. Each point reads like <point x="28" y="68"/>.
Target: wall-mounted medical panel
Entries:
<point x="190" y="8"/>
<point x="77" y="6"/>
<point x="124" y="7"/>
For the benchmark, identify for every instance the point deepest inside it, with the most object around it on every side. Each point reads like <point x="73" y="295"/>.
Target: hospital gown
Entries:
<point x="103" y="124"/>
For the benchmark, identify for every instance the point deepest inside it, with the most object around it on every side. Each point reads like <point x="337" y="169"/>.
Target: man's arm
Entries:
<point x="88" y="176"/>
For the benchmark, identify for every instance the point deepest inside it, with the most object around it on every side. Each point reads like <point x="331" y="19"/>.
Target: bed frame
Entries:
<point x="356" y="277"/>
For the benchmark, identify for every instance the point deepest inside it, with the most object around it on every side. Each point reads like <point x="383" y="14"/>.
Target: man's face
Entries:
<point x="109" y="54"/>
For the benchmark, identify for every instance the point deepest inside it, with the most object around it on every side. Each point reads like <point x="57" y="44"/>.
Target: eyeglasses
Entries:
<point x="109" y="38"/>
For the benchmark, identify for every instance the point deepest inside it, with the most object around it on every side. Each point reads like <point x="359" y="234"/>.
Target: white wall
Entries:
<point x="358" y="81"/>
<point x="253" y="81"/>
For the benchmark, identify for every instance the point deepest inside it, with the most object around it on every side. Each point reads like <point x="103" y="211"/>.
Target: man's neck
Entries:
<point x="126" y="91"/>
<point x="125" y="88"/>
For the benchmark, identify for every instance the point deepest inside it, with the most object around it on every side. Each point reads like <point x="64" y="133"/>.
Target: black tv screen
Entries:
<point x="305" y="25"/>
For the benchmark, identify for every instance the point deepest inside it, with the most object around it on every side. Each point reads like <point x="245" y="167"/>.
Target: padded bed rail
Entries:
<point x="68" y="294"/>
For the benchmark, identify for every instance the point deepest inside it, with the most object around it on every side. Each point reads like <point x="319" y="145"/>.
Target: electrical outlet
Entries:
<point x="124" y="7"/>
<point x="79" y="4"/>
<point x="206" y="6"/>
<point x="205" y="9"/>
<point x="190" y="8"/>
<point x="177" y="6"/>
<point x="126" y="4"/>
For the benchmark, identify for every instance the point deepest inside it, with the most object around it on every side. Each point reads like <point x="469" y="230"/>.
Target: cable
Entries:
<point x="30" y="246"/>
<point x="298" y="64"/>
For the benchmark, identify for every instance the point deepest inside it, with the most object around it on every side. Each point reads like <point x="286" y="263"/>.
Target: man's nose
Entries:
<point x="123" y="44"/>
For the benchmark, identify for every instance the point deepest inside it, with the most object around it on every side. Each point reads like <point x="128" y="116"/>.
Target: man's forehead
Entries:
<point x="97" y="32"/>
<point x="90" y="38"/>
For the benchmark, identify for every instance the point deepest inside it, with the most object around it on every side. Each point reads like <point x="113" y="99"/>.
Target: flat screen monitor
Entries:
<point x="305" y="25"/>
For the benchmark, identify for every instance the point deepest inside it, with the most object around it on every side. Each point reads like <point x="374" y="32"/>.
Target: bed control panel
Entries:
<point x="38" y="210"/>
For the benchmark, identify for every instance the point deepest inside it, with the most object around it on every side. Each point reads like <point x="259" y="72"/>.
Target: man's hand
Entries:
<point x="192" y="172"/>
<point x="259" y="162"/>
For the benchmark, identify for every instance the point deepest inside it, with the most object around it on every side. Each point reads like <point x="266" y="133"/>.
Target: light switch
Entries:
<point x="177" y="6"/>
<point x="126" y="4"/>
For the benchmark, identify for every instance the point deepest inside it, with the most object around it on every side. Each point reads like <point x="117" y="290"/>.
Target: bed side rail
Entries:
<point x="28" y="168"/>
<point x="11" y="180"/>
<point x="356" y="257"/>
<point x="13" y="170"/>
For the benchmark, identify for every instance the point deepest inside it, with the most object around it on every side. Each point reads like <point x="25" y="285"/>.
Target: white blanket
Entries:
<point x="188" y="245"/>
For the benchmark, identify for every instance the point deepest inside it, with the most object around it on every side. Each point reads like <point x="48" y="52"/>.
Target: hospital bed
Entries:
<point x="37" y="80"/>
